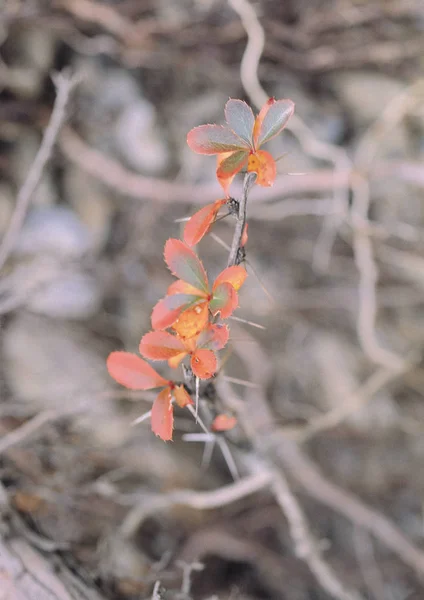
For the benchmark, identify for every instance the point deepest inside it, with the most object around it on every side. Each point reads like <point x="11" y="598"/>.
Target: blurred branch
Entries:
<point x="305" y="546"/>
<point x="25" y="431"/>
<point x="64" y="82"/>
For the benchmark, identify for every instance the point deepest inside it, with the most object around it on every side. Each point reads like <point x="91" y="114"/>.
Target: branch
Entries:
<point x="64" y="83"/>
<point x="249" y="181"/>
<point x="305" y="545"/>
<point x="303" y="470"/>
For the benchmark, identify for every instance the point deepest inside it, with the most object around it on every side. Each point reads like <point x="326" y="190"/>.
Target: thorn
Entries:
<point x="252" y="323"/>
<point x="220" y="241"/>
<point x="264" y="289"/>
<point x="142" y="418"/>
<point x="243" y="382"/>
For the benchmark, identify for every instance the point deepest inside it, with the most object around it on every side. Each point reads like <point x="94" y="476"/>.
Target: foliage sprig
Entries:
<point x="188" y="324"/>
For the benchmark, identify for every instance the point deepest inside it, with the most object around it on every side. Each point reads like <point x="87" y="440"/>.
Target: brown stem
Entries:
<point x="248" y="182"/>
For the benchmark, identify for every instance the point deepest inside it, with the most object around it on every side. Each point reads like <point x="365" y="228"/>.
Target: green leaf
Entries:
<point x="240" y="119"/>
<point x="232" y="164"/>
<point x="184" y="264"/>
<point x="214" y="139"/>
<point x="224" y="300"/>
<point x="275" y="120"/>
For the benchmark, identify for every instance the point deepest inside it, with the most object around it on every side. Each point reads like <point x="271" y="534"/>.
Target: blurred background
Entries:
<point x="336" y="278"/>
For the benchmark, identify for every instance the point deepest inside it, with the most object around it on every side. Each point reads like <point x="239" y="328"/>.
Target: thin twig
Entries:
<point x="64" y="83"/>
<point x="252" y="54"/>
<point x="317" y="486"/>
<point x="157" y="593"/>
<point x="25" y="431"/>
<point x="223" y="496"/>
<point x="350" y="405"/>
<point x="248" y="182"/>
<point x="368" y="276"/>
<point x="305" y="546"/>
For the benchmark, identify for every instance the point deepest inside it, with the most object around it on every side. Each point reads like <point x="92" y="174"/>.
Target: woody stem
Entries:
<point x="248" y="182"/>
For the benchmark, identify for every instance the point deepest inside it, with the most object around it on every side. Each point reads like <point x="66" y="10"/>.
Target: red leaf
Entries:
<point x="203" y="363"/>
<point x="214" y="337"/>
<point x="133" y="372"/>
<point x="240" y="119"/>
<point x="184" y="264"/>
<point x="219" y="336"/>
<point x="273" y="120"/>
<point x="160" y="345"/>
<point x="167" y="310"/>
<point x="182" y="397"/>
<point x="259" y="120"/>
<point x="214" y="139"/>
<point x="200" y="222"/>
<point x="235" y="275"/>
<point x="162" y="417"/>
<point x="223" y="423"/>
<point x="262" y="163"/>
<point x="225" y="300"/>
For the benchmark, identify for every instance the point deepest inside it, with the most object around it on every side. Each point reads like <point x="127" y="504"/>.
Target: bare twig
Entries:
<point x="249" y="180"/>
<point x="64" y="84"/>
<point x="198" y="500"/>
<point x="350" y="405"/>
<point x="97" y="12"/>
<point x="317" y="486"/>
<point x="305" y="546"/>
<point x="362" y="245"/>
<point x="157" y="593"/>
<point x="368" y="274"/>
<point x="255" y="44"/>
<point x="25" y="431"/>
<point x="257" y="420"/>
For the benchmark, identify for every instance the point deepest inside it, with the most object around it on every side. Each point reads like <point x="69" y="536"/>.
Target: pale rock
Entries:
<point x="52" y="364"/>
<point x="139" y="140"/>
<point x="53" y="230"/>
<point x="73" y="295"/>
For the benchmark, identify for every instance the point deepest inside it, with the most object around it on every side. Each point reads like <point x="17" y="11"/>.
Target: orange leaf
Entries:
<point x="167" y="310"/>
<point x="192" y="321"/>
<point x="203" y="363"/>
<point x="223" y="423"/>
<point x="262" y="163"/>
<point x="160" y="345"/>
<point x="162" y="417"/>
<point x="182" y="397"/>
<point x="235" y="275"/>
<point x="174" y="361"/>
<point x="200" y="222"/>
<point x="259" y="120"/>
<point x="228" y="165"/>
<point x="219" y="335"/>
<point x="133" y="372"/>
